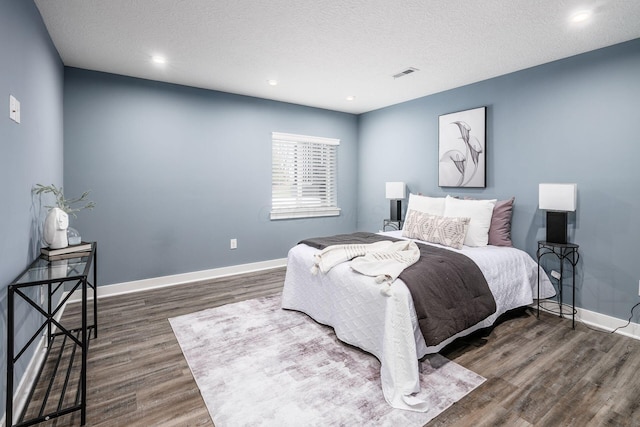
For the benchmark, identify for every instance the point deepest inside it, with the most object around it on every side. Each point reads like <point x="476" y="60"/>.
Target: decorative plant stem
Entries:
<point x="61" y="201"/>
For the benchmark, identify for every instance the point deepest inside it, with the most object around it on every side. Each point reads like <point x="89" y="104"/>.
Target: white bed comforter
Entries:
<point x="386" y="326"/>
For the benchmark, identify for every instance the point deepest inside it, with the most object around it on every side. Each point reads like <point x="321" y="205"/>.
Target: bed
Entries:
<point x="386" y="325"/>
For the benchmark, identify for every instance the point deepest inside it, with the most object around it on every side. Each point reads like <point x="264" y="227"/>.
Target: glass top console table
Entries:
<point x="60" y="384"/>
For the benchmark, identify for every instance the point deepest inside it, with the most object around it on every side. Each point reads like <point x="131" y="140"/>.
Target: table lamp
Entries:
<point x="557" y="200"/>
<point x="396" y="191"/>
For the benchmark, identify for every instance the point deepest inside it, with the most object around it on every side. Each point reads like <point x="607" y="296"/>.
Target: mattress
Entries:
<point x="386" y="325"/>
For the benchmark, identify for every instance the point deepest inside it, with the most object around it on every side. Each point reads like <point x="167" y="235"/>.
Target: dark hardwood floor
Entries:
<point x="539" y="372"/>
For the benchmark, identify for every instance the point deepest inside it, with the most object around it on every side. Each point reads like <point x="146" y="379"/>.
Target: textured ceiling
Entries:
<point x="320" y="52"/>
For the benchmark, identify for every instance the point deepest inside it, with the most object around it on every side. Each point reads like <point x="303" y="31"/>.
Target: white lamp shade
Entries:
<point x="396" y="191"/>
<point x="558" y="197"/>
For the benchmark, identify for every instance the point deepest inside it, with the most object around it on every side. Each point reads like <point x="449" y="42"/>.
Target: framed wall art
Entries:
<point x="462" y="148"/>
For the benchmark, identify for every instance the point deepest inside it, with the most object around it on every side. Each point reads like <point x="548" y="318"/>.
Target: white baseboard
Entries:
<point x="608" y="323"/>
<point x="591" y="318"/>
<point x="181" y="279"/>
<point x="600" y="321"/>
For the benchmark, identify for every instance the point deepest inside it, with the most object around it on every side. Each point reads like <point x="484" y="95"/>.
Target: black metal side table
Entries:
<point x="563" y="251"/>
<point x="395" y="225"/>
<point x="64" y="369"/>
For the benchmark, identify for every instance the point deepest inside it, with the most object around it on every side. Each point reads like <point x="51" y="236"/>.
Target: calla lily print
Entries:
<point x="462" y="141"/>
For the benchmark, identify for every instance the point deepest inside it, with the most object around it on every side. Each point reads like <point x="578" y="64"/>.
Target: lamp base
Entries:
<point x="557" y="227"/>
<point x="396" y="210"/>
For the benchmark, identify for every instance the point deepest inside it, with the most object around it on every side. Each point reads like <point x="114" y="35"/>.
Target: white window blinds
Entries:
<point x="303" y="176"/>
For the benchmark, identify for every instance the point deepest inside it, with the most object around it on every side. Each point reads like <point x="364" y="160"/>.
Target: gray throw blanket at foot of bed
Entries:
<point x="449" y="292"/>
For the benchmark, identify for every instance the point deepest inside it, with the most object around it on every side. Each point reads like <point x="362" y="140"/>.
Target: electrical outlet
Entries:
<point x="233" y="244"/>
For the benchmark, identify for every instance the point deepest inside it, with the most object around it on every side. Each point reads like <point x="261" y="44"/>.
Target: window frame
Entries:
<point x="304" y="148"/>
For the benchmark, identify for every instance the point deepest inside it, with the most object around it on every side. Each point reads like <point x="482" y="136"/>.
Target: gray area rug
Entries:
<point x="256" y="364"/>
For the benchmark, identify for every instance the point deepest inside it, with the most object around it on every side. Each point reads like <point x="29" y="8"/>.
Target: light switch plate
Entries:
<point x="14" y="109"/>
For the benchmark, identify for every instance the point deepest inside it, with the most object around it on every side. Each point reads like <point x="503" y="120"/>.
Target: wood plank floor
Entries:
<point x="539" y="372"/>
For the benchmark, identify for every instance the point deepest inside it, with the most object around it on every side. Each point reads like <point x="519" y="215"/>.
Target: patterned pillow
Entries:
<point x="447" y="231"/>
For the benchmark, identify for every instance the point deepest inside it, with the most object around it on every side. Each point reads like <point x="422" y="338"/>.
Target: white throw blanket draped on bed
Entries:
<point x="384" y="260"/>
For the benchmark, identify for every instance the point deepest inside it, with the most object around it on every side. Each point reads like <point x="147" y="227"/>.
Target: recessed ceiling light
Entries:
<point x="272" y="82"/>
<point x="581" y="16"/>
<point x="351" y="98"/>
<point x="157" y="59"/>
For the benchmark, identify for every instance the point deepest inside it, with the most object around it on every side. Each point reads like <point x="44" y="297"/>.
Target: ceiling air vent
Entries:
<point x="405" y="72"/>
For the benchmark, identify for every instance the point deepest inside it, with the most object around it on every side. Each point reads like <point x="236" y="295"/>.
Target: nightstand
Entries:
<point x="393" y="224"/>
<point x="564" y="252"/>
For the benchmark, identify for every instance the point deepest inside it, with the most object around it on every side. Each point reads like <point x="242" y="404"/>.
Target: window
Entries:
<point x="303" y="176"/>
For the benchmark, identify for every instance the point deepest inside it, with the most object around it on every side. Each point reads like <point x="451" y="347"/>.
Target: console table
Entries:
<point x="64" y="369"/>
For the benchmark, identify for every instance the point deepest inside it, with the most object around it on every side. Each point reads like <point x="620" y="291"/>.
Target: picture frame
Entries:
<point x="462" y="139"/>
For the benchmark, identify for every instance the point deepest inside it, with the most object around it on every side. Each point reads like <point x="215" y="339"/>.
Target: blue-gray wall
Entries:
<point x="574" y="120"/>
<point x="30" y="152"/>
<point x="176" y="172"/>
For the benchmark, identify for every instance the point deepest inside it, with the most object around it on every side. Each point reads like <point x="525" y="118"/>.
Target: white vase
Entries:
<point x="55" y="229"/>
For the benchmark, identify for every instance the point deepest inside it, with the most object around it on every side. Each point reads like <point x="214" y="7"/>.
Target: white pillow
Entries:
<point x="429" y="205"/>
<point x="480" y="212"/>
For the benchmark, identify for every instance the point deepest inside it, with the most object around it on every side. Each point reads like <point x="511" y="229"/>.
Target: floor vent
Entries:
<point x="405" y="72"/>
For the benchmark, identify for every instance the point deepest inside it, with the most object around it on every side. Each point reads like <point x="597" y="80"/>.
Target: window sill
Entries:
<point x="304" y="213"/>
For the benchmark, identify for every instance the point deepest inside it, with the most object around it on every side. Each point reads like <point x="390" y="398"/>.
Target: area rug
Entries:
<point x="258" y="365"/>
